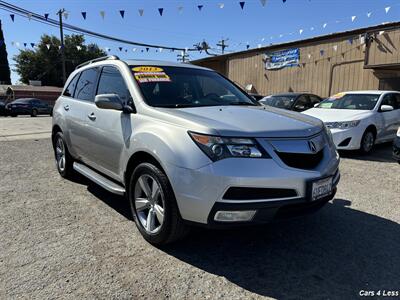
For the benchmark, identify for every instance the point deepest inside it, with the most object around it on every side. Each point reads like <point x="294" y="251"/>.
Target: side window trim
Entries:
<point x="77" y="76"/>
<point x="95" y="84"/>
<point x="119" y="72"/>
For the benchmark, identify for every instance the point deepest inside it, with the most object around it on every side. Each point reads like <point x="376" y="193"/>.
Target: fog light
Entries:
<point x="234" y="216"/>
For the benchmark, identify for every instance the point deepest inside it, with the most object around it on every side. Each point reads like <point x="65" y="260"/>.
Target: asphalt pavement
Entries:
<point x="73" y="240"/>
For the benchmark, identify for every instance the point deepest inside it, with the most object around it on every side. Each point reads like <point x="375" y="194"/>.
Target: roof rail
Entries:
<point x="108" y="57"/>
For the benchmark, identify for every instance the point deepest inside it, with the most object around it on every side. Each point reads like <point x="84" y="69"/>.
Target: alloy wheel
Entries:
<point x="60" y="154"/>
<point x="368" y="141"/>
<point x="149" y="203"/>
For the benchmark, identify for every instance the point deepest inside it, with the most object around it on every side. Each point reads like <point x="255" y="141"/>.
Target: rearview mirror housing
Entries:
<point x="108" y="101"/>
<point x="386" y="108"/>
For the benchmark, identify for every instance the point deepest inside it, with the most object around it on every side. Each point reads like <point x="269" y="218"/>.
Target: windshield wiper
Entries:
<point x="242" y="103"/>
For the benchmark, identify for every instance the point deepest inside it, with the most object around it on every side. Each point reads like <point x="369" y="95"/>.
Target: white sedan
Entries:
<point x="360" y="119"/>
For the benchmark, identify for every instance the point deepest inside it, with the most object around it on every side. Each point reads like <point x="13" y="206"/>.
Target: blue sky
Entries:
<point x="275" y="23"/>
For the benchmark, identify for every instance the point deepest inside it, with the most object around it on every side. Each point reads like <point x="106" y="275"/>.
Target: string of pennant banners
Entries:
<point x="260" y="42"/>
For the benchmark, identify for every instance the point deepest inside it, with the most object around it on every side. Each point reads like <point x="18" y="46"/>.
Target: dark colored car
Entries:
<point x="29" y="106"/>
<point x="396" y="147"/>
<point x="256" y="96"/>
<point x="292" y="101"/>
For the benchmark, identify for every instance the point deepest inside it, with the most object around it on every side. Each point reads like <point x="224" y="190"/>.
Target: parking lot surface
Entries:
<point x="24" y="127"/>
<point x="66" y="239"/>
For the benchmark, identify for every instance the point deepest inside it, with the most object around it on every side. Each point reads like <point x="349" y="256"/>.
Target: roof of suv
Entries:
<point x="140" y="62"/>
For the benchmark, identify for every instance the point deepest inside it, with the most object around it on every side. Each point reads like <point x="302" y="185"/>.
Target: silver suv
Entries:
<point x="187" y="146"/>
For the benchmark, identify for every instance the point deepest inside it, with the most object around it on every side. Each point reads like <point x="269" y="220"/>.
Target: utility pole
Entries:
<point x="60" y="15"/>
<point x="222" y="44"/>
<point x="183" y="57"/>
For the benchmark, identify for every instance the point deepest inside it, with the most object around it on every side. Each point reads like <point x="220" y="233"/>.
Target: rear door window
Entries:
<point x="85" y="88"/>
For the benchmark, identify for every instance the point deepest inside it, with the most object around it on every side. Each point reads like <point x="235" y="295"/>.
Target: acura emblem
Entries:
<point x="312" y="146"/>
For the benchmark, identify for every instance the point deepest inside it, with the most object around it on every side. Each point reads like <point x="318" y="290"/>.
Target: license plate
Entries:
<point x="321" y="188"/>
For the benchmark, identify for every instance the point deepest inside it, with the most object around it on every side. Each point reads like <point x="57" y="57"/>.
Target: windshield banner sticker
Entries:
<point x="145" y="74"/>
<point x="281" y="59"/>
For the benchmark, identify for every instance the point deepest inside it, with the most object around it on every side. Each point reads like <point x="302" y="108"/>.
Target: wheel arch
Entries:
<point x="54" y="131"/>
<point x="372" y="128"/>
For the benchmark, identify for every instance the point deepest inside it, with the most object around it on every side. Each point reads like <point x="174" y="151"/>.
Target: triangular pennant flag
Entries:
<point x="160" y="11"/>
<point x="78" y="47"/>
<point x="147" y="49"/>
<point x="120" y="48"/>
<point x="29" y="16"/>
<point x="141" y="11"/>
<point x="59" y="47"/>
<point x="263" y="2"/>
<point x="12" y="43"/>
<point x="335" y="48"/>
<point x="84" y="15"/>
<point x="301" y="31"/>
<point x="160" y="49"/>
<point x="12" y="17"/>
<point x="353" y="18"/>
<point x="387" y="9"/>
<point x="33" y="45"/>
<point x="200" y="7"/>
<point x="25" y="44"/>
<point x="322" y="52"/>
<point x="221" y="5"/>
<point x="46" y="16"/>
<point x="242" y="4"/>
<point x="350" y="40"/>
<point x="180" y="9"/>
<point x="325" y="24"/>
<point x="134" y="49"/>
<point x="369" y="14"/>
<point x="122" y="13"/>
<point x="284" y="1"/>
<point x="309" y="55"/>
<point x="247" y="46"/>
<point x="48" y="46"/>
<point x="102" y="14"/>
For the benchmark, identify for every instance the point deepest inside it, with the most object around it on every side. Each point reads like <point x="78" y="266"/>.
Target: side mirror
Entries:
<point x="108" y="101"/>
<point x="386" y="108"/>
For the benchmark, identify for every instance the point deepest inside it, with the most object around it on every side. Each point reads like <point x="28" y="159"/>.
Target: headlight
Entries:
<point x="329" y="134"/>
<point x="398" y="132"/>
<point x="216" y="147"/>
<point x="342" y="125"/>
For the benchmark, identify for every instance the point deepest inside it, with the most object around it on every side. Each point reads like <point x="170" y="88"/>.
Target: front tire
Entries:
<point x="64" y="160"/>
<point x="367" y="142"/>
<point x="34" y="113"/>
<point x="154" y="207"/>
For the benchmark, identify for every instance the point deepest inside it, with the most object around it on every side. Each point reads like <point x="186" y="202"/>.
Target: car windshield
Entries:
<point x="177" y="87"/>
<point x="350" y="101"/>
<point x="281" y="101"/>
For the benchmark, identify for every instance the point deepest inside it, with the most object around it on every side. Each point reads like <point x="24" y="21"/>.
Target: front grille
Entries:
<point x="244" y="193"/>
<point x="301" y="160"/>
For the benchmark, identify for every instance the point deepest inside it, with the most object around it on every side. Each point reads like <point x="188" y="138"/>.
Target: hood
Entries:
<point x="245" y="121"/>
<point x="337" y="115"/>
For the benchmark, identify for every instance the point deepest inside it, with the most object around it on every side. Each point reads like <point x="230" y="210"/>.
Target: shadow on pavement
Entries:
<point x="333" y="254"/>
<point x="380" y="153"/>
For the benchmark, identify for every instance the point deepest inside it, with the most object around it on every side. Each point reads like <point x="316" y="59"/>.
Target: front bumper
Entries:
<point x="347" y="139"/>
<point x="200" y="192"/>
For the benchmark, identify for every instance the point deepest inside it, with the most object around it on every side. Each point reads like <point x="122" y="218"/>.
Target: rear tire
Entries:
<point x="34" y="113"/>
<point x="63" y="159"/>
<point x="367" y="142"/>
<point x="154" y="207"/>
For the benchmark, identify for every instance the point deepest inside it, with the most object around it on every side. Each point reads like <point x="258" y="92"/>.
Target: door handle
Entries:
<point x="66" y="107"/>
<point x="92" y="117"/>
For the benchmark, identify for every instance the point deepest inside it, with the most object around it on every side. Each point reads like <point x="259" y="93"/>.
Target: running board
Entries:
<point x="99" y="179"/>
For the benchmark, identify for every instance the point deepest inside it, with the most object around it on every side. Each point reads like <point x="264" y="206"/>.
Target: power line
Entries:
<point x="34" y="16"/>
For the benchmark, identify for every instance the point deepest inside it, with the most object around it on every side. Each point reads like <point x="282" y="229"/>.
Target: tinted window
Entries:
<point x="391" y="100"/>
<point x="280" y="101"/>
<point x="187" y="87"/>
<point x="86" y="85"/>
<point x="25" y="101"/>
<point x="111" y="82"/>
<point x="314" y="99"/>
<point x="69" y="91"/>
<point x="302" y="103"/>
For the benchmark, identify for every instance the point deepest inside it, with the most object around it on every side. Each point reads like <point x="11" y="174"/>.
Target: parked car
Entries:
<point x="360" y="119"/>
<point x="292" y="101"/>
<point x="29" y="106"/>
<point x="187" y="146"/>
<point x="396" y="146"/>
<point x="257" y="97"/>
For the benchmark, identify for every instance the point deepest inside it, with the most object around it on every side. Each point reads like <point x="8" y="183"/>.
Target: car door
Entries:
<point x="109" y="130"/>
<point x="76" y="108"/>
<point x="389" y="120"/>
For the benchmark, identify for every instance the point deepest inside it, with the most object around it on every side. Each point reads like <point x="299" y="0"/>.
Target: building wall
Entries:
<point x="337" y="69"/>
